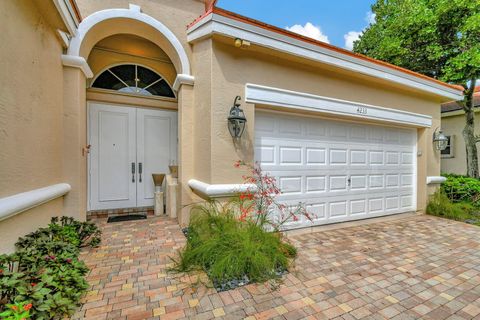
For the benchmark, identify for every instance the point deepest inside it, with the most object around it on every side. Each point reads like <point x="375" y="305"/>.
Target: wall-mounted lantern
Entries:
<point x="440" y="141"/>
<point x="236" y="119"/>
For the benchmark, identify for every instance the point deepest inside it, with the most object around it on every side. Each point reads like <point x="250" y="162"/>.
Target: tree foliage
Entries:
<point x="438" y="38"/>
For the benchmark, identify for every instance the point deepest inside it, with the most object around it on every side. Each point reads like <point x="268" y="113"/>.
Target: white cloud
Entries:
<point x="350" y="37"/>
<point x="309" y="30"/>
<point x="370" y="17"/>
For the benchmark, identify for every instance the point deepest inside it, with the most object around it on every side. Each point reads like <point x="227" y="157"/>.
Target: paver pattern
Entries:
<point x="415" y="268"/>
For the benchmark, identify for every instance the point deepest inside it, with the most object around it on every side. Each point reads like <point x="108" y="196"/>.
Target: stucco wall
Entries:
<point x="31" y="127"/>
<point x="453" y="126"/>
<point x="18" y="226"/>
<point x="221" y="71"/>
<point x="232" y="68"/>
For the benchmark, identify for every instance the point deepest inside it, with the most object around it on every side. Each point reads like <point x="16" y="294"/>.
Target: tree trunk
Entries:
<point x="469" y="133"/>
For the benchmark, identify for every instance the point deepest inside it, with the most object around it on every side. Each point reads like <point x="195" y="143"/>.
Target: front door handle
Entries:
<point x="133" y="172"/>
<point x="140" y="172"/>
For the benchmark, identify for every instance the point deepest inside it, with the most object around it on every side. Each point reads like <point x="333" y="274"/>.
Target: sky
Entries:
<point x="337" y="22"/>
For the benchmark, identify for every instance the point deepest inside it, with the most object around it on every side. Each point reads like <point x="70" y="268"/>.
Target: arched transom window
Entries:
<point x="133" y="78"/>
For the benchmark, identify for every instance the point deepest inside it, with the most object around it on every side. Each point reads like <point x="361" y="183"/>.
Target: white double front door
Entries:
<point x="127" y="145"/>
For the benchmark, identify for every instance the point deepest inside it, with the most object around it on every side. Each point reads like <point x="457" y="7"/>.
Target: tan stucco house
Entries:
<point x="98" y="95"/>
<point x="454" y="157"/>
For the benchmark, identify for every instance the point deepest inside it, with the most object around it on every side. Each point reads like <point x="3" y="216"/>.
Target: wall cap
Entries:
<point x="183" y="79"/>
<point x="12" y="205"/>
<point x="212" y="191"/>
<point x="436" y="180"/>
<point x="77" y="62"/>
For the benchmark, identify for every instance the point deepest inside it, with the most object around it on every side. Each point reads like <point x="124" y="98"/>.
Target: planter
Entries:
<point x="173" y="171"/>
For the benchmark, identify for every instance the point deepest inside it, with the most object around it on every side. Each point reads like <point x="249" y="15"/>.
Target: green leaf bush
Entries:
<point x="462" y="189"/>
<point x="227" y="248"/>
<point x="45" y="271"/>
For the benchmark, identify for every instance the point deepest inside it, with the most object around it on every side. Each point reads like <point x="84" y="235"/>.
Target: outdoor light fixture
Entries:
<point x="236" y="119"/>
<point x="440" y="140"/>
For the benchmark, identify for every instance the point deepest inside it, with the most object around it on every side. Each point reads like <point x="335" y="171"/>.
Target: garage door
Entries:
<point x="341" y="171"/>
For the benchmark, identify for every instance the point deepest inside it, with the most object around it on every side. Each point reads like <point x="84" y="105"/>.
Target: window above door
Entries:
<point x="133" y="79"/>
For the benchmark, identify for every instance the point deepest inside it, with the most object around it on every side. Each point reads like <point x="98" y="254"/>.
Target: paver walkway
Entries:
<point x="416" y="268"/>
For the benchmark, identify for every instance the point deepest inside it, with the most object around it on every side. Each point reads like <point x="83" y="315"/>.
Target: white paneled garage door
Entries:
<point x="340" y="170"/>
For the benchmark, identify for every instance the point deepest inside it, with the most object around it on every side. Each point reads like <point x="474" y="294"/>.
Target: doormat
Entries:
<point x="128" y="217"/>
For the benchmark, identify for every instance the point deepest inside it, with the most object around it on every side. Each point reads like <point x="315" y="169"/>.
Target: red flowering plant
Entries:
<point x="259" y="204"/>
<point x="17" y="311"/>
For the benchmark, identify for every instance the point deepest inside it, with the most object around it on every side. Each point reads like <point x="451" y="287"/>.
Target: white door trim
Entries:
<point x="258" y="94"/>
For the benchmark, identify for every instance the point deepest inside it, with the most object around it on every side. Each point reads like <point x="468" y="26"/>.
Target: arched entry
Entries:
<point x="93" y="29"/>
<point x="104" y="23"/>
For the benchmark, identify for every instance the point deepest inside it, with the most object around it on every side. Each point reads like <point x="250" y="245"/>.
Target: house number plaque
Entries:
<point x="362" y="110"/>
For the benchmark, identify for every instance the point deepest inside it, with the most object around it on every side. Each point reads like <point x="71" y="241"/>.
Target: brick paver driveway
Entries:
<point x="415" y="268"/>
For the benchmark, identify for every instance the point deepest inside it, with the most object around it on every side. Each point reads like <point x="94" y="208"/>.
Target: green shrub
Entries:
<point x="440" y="205"/>
<point x="45" y="270"/>
<point x="227" y="248"/>
<point x="462" y="189"/>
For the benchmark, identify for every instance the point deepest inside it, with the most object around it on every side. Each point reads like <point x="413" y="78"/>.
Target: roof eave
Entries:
<point x="69" y="13"/>
<point x="214" y="23"/>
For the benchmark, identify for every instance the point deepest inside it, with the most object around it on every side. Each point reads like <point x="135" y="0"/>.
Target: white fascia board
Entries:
<point x="258" y="94"/>
<point x="68" y="16"/>
<point x="64" y="37"/>
<point x="212" y="191"/>
<point x="10" y="206"/>
<point x="458" y="112"/>
<point x="217" y="24"/>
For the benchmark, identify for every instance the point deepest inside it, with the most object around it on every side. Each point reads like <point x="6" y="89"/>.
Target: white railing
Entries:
<point x="219" y="190"/>
<point x="12" y="205"/>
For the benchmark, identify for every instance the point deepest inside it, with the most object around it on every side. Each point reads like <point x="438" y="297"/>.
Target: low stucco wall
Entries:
<point x="31" y="111"/>
<point x="28" y="221"/>
<point x="453" y="126"/>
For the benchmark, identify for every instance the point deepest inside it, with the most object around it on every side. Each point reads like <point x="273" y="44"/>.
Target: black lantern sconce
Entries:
<point x="236" y="120"/>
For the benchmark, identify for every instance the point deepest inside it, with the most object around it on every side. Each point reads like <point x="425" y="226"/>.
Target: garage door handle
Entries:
<point x="133" y="172"/>
<point x="349" y="182"/>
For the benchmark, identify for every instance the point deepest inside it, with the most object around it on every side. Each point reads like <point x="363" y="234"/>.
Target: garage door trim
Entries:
<point x="258" y="94"/>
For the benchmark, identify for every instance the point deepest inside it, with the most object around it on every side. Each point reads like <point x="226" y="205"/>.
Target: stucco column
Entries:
<point x="185" y="151"/>
<point x="422" y="160"/>
<point x="74" y="140"/>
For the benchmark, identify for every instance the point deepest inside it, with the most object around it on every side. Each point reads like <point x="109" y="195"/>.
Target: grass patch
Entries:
<point x="227" y="248"/>
<point x="441" y="206"/>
